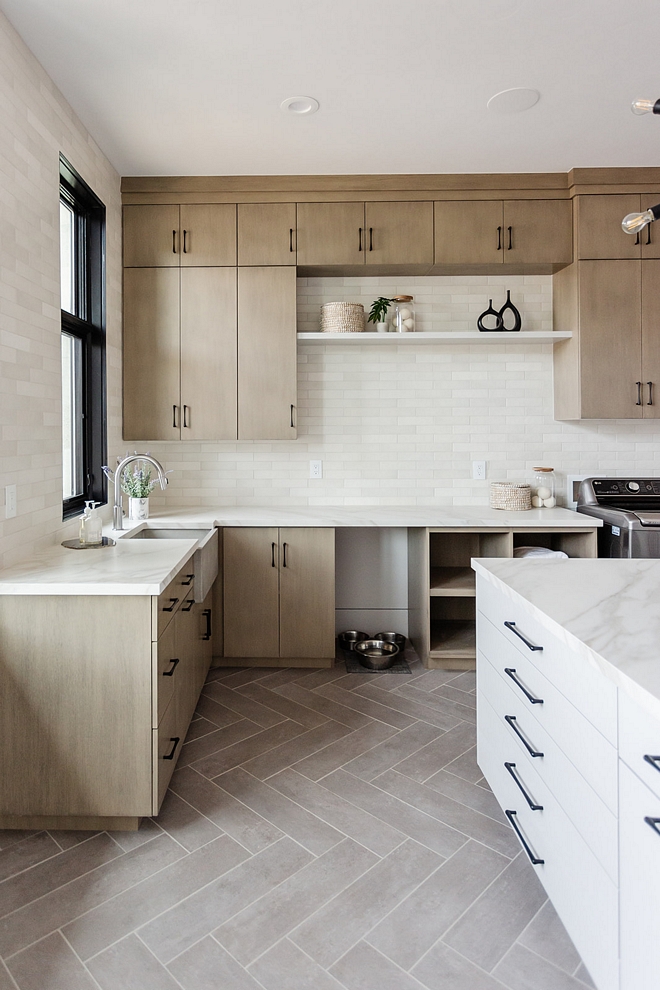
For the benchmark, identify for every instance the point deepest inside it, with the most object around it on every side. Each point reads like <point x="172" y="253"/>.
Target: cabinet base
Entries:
<point x="273" y="661"/>
<point x="461" y="663"/>
<point x="87" y="823"/>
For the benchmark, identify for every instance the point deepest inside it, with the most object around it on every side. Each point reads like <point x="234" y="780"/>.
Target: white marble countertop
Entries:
<point x="608" y="611"/>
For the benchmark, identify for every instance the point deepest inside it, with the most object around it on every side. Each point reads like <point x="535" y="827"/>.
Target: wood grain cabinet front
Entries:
<point x="599" y="236"/>
<point x="266" y="234"/>
<point x="172" y="236"/>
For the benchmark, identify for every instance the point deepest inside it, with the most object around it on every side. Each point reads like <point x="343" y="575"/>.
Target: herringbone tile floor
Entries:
<point x="323" y="831"/>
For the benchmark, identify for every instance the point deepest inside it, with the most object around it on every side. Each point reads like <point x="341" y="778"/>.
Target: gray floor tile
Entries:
<point x="214" y="742"/>
<point x="443" y="969"/>
<point x="289" y="709"/>
<point x="437" y="754"/>
<point x="331" y="709"/>
<point x="418" y="922"/>
<point x="262" y="924"/>
<point x="315" y="678"/>
<point x="198" y="915"/>
<point x="335" y="756"/>
<point x="300" y="747"/>
<point x="302" y="826"/>
<point x="199" y="727"/>
<point x="546" y="936"/>
<point x="240" y="752"/>
<point x="285" y="967"/>
<point x="467" y="681"/>
<point x="8" y="836"/>
<point x="6" y="982"/>
<point x="363" y="968"/>
<point x="26" y="853"/>
<point x="352" y="700"/>
<point x="214" y="712"/>
<point x="68" y="838"/>
<point x="185" y="824"/>
<point x="581" y="973"/>
<point x="128" y="965"/>
<point x="455" y="694"/>
<point x="496" y="919"/>
<point x="393" y="750"/>
<point x="331" y="932"/>
<point x="521" y="969"/>
<point x="428" y="680"/>
<point x="276" y="678"/>
<point x="207" y="966"/>
<point x="245" y="676"/>
<point x="411" y="707"/>
<point x="50" y="963"/>
<point x="342" y="815"/>
<point x="471" y="795"/>
<point x="400" y="815"/>
<point x="128" y="911"/>
<point x="246" y="707"/>
<point x="131" y="840"/>
<point x="466" y="766"/>
<point x="233" y="817"/>
<point x="443" y="705"/>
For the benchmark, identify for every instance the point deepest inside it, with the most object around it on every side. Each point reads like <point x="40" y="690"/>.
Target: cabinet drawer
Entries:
<point x="639" y="741"/>
<point x="581" y="891"/>
<point x="166" y="669"/>
<point x="582" y="801"/>
<point x="166" y="749"/>
<point x="170" y="600"/>
<point x="588" y="690"/>
<point x="640" y="883"/>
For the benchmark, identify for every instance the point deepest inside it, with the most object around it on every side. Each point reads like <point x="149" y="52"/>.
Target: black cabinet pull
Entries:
<point x="653" y="822"/>
<point x="654" y="761"/>
<point x="284" y="546"/>
<point x="291" y="239"/>
<point x="175" y="425"/>
<point x="639" y="393"/>
<point x="499" y="238"/>
<point x="531" y="646"/>
<point x="371" y="238"/>
<point x="185" y="249"/>
<point x="174" y="242"/>
<point x="637" y="238"/>
<point x="650" y="402"/>
<point x="191" y="578"/>
<point x="648" y="233"/>
<point x="169" y="673"/>
<point x="511" y="720"/>
<point x="186" y="424"/>
<point x="511" y="672"/>
<point x="209" y="632"/>
<point x="188" y="607"/>
<point x="510" y="229"/>
<point x="175" y="740"/>
<point x="511" y="815"/>
<point x="292" y="423"/>
<point x="519" y="784"/>
<point x="171" y="606"/>
<point x="360" y="239"/>
<point x="272" y="554"/>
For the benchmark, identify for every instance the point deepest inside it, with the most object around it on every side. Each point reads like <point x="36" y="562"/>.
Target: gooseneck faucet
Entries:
<point x="118" y="511"/>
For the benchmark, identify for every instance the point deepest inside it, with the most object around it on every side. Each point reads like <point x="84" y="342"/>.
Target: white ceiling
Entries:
<point x="193" y="87"/>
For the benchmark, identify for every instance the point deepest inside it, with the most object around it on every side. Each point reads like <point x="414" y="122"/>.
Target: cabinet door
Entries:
<point x="267" y="234"/>
<point x="399" y="233"/>
<point x="151" y="237"/>
<point x="538" y="232"/>
<point x="267" y="365"/>
<point x="151" y="354"/>
<point x="208" y="354"/>
<point x="307" y="592"/>
<point x="599" y="233"/>
<point x="208" y="234"/>
<point x="610" y="339"/>
<point x="251" y="606"/>
<point x="331" y="234"/>
<point x="469" y="233"/>
<point x="650" y="236"/>
<point x="204" y="652"/>
<point x="187" y="644"/>
<point x="651" y="338"/>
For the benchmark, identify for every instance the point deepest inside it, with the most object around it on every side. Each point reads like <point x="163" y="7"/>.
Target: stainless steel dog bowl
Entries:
<point x="348" y="639"/>
<point x="377" y="654"/>
<point x="392" y="637"/>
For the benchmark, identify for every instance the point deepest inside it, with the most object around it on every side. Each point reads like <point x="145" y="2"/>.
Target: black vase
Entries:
<point x="490" y="312"/>
<point x="517" y="321"/>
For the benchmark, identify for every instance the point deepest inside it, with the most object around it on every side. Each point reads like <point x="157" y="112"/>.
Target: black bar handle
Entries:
<point x="637" y="238"/>
<point x="209" y="632"/>
<point x="531" y="646"/>
<point x="272" y="554"/>
<point x="653" y="760"/>
<point x="639" y="393"/>
<point x="291" y="239"/>
<point x="291" y="421"/>
<point x="510" y="229"/>
<point x="174" y="242"/>
<point x="511" y="719"/>
<point x="175" y="740"/>
<point x="186" y="424"/>
<point x="284" y="546"/>
<point x="653" y="822"/>
<point x="169" y="673"/>
<point x="185" y="249"/>
<point x="648" y="233"/>
<point x="371" y="238"/>
<point x="174" y="422"/>
<point x="499" y="238"/>
<point x="511" y="672"/>
<point x="191" y="578"/>
<point x="650" y="402"/>
<point x="518" y="782"/>
<point x="360" y="239"/>
<point x="171" y="606"/>
<point x="188" y="607"/>
<point x="534" y="860"/>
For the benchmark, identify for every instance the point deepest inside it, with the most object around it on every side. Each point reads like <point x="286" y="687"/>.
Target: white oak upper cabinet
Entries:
<point x="172" y="236"/>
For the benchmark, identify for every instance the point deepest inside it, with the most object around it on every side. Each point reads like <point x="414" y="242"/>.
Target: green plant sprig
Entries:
<point x="379" y="309"/>
<point x="137" y="483"/>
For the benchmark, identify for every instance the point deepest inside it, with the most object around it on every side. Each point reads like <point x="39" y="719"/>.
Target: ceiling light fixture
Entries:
<point x="300" y="105"/>
<point x="634" y="222"/>
<point x="645" y="106"/>
<point x="513" y="100"/>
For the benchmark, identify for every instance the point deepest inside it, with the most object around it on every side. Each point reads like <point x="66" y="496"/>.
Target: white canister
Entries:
<point x="138" y="508"/>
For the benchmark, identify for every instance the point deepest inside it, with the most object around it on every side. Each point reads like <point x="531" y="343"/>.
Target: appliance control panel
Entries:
<point x="613" y="488"/>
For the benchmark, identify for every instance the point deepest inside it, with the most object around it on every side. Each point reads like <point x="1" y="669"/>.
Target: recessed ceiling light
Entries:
<point x="513" y="100"/>
<point x="300" y="105"/>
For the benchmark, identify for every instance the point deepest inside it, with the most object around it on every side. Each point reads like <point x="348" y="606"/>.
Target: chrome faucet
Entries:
<point x="118" y="510"/>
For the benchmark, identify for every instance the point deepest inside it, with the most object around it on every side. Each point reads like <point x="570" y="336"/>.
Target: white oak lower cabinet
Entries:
<point x="96" y="696"/>
<point x="279" y="596"/>
<point x="575" y="765"/>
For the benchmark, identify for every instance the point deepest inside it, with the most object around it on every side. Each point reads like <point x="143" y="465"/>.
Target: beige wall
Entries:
<point x="36" y="124"/>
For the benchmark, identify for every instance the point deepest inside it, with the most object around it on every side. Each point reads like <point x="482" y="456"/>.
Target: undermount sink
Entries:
<point x="205" y="558"/>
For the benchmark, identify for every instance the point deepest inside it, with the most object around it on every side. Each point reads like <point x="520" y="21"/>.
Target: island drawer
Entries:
<point x="167" y="743"/>
<point x="572" y="674"/>
<point x="170" y="600"/>
<point x="639" y="741"/>
<point x="166" y="662"/>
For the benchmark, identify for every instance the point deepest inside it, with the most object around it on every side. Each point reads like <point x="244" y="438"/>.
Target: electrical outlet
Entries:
<point x="479" y="470"/>
<point x="10" y="501"/>
<point x="316" y="469"/>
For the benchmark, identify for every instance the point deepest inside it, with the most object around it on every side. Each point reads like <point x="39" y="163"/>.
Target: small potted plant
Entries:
<point x="378" y="313"/>
<point x="137" y="484"/>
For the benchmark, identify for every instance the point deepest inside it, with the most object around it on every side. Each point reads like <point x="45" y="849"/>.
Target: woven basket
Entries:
<point x="509" y="495"/>
<point x="342" y="317"/>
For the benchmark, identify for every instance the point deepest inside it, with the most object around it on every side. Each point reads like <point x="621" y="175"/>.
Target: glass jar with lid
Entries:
<point x="543" y="488"/>
<point x="403" y="314"/>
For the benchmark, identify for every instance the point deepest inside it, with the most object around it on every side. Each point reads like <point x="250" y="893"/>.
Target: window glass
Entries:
<point x="67" y="258"/>
<point x="72" y="412"/>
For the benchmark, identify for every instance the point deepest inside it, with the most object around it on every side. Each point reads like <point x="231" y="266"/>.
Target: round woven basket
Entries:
<point x="342" y="317"/>
<point x="509" y="495"/>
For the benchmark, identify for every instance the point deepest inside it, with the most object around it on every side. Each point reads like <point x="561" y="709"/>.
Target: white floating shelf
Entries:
<point x="472" y="337"/>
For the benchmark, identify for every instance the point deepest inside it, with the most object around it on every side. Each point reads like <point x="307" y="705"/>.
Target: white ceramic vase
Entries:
<point x="138" y="508"/>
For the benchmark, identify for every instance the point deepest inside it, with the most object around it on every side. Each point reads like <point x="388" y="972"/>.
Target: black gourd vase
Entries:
<point x="490" y="312"/>
<point x="517" y="320"/>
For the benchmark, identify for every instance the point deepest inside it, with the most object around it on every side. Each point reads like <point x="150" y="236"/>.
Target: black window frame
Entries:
<point x="89" y="328"/>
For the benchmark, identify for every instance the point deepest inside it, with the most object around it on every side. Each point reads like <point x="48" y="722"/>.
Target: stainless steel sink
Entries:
<point x="169" y="534"/>
<point x="205" y="558"/>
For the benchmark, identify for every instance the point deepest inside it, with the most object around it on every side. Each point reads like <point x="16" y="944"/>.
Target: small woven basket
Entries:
<point x="509" y="495"/>
<point x="342" y="317"/>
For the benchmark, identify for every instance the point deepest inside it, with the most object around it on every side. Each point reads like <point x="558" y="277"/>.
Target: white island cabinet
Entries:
<point x="568" y="737"/>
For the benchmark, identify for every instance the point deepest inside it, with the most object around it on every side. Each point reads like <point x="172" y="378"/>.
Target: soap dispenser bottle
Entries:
<point x="94" y="525"/>
<point x="84" y="519"/>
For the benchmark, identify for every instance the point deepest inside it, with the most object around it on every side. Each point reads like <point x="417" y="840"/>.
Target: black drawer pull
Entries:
<point x="527" y="642"/>
<point x="169" y="673"/>
<point x="654" y="761"/>
<point x="511" y="719"/>
<point x="188" y="607"/>
<point x="511" y="671"/>
<point x="207" y="615"/>
<point x="272" y="554"/>
<point x="653" y="822"/>
<point x="291" y="239"/>
<point x="284" y="546"/>
<point x="510" y="229"/>
<point x="499" y="238"/>
<point x="532" y="858"/>
<point x="171" y="606"/>
<point x="191" y="578"/>
<point x="175" y="740"/>
<point x="511" y="768"/>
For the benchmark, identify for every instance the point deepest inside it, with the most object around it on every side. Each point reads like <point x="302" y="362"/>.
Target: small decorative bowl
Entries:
<point x="393" y="637"/>
<point x="348" y="639"/>
<point x="377" y="654"/>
